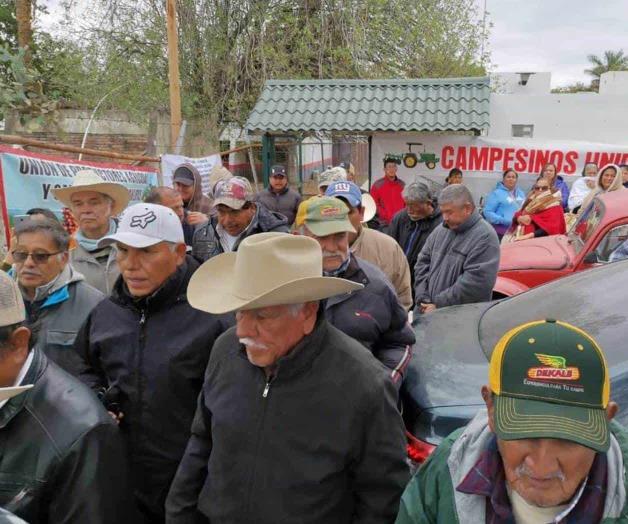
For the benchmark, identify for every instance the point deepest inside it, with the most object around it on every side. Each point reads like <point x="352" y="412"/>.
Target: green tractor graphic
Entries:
<point x="410" y="159"/>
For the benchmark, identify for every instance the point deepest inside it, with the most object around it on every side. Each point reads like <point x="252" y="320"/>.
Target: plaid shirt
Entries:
<point x="487" y="478"/>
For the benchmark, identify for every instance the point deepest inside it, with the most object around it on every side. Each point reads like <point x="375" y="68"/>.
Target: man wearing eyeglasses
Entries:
<point x="56" y="296"/>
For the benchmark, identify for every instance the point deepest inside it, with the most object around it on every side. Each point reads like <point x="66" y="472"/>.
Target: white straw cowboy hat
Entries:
<point x="269" y="269"/>
<point x="88" y="180"/>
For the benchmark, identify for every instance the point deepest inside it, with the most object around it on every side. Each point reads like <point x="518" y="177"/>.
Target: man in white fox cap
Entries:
<point x="295" y="422"/>
<point x="94" y="202"/>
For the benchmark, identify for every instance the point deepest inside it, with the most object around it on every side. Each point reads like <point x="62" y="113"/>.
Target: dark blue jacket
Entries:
<point x="373" y="316"/>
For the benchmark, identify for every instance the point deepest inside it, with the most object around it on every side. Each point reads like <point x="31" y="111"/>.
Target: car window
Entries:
<point x="586" y="225"/>
<point x="611" y="241"/>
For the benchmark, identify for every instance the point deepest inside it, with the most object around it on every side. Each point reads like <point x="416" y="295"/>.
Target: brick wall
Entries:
<point x="117" y="143"/>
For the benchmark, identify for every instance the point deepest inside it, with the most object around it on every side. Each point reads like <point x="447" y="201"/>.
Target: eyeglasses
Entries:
<point x="540" y="188"/>
<point x="38" y="258"/>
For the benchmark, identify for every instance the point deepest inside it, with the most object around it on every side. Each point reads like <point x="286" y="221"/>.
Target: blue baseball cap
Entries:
<point x="347" y="190"/>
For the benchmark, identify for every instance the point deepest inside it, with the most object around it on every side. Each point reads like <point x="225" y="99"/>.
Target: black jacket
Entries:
<point x="206" y="243"/>
<point x="412" y="234"/>
<point x="373" y="316"/>
<point x="286" y="203"/>
<point x="151" y="355"/>
<point x="322" y="442"/>
<point x="61" y="455"/>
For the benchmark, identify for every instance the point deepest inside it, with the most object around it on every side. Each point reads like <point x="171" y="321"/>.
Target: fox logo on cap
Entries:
<point x="143" y="220"/>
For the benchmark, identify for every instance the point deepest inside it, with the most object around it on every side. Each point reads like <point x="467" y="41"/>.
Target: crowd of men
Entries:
<point x="237" y="356"/>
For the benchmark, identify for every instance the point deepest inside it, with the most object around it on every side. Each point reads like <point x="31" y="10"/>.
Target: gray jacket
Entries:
<point x="458" y="266"/>
<point x="57" y="313"/>
<point x="287" y="202"/>
<point x="103" y="275"/>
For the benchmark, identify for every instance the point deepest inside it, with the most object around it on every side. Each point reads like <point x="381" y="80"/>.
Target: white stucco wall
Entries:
<point x="591" y="117"/>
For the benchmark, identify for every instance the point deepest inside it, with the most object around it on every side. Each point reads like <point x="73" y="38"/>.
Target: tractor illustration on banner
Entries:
<point x="410" y="159"/>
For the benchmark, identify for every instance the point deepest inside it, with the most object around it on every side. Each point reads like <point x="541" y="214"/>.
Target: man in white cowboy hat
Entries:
<point x="61" y="458"/>
<point x="145" y="349"/>
<point x="296" y="422"/>
<point x="372" y="315"/>
<point x="374" y="246"/>
<point x="94" y="202"/>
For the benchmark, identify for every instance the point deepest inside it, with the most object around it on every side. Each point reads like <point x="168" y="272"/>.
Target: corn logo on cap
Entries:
<point x="550" y="380"/>
<point x="324" y="216"/>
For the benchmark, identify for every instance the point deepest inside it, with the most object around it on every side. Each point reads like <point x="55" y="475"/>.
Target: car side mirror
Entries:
<point x="591" y="258"/>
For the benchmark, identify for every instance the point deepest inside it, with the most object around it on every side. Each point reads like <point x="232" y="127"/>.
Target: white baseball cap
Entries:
<point x="144" y="225"/>
<point x="11" y="304"/>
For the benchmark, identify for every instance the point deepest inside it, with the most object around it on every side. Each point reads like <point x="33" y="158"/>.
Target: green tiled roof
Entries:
<point x="444" y="104"/>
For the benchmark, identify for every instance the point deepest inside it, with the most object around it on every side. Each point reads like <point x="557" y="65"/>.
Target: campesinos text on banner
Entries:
<point x="436" y="154"/>
<point x="26" y="179"/>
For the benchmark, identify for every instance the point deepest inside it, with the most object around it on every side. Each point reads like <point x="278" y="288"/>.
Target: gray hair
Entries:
<point x="156" y="194"/>
<point x="417" y="192"/>
<point x="456" y="194"/>
<point x="47" y="226"/>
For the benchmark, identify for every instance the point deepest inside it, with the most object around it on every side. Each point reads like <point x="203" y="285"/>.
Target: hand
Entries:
<point x="195" y="217"/>
<point x="524" y="237"/>
<point x="427" y="308"/>
<point x="524" y="220"/>
<point x="590" y="183"/>
<point x="117" y="417"/>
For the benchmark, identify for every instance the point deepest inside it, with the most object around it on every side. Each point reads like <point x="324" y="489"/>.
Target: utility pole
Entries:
<point x="173" y="73"/>
<point x="23" y="17"/>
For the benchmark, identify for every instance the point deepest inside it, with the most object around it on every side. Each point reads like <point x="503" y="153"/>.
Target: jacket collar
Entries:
<point x="354" y="273"/>
<point x="15" y="405"/>
<point x="282" y="192"/>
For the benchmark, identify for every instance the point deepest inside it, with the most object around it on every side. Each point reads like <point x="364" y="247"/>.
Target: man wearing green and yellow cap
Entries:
<point x="373" y="315"/>
<point x="544" y="450"/>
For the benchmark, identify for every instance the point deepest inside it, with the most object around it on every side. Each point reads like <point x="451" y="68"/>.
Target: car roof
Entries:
<point x="595" y="300"/>
<point x="615" y="204"/>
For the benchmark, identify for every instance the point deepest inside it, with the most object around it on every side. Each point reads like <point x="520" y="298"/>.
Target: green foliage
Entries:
<point x="578" y="87"/>
<point x="611" y="61"/>
<point x="21" y="88"/>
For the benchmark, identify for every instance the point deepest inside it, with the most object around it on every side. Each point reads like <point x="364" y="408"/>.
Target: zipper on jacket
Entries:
<point x="267" y="387"/>
<point x="138" y="372"/>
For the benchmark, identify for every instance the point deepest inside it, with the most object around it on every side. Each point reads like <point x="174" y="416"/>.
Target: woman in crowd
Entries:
<point x="556" y="181"/>
<point x="503" y="202"/>
<point x="609" y="178"/>
<point x="454" y="177"/>
<point x="541" y="214"/>
<point x="581" y="187"/>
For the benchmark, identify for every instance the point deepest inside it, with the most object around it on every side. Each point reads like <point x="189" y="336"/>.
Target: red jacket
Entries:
<point x="387" y="196"/>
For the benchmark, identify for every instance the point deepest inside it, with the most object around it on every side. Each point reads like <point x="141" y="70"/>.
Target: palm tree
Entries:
<point x="612" y="61"/>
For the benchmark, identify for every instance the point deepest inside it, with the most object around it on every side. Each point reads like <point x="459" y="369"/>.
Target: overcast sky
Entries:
<point x="555" y="35"/>
<point x="536" y="35"/>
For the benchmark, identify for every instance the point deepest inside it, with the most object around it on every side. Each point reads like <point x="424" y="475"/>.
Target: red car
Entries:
<point x="589" y="243"/>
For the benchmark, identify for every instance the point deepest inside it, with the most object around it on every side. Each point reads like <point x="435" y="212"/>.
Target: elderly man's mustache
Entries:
<point x="252" y="343"/>
<point x="330" y="254"/>
<point x="523" y="471"/>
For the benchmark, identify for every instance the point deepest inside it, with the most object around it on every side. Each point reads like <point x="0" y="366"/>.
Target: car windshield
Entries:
<point x="582" y="230"/>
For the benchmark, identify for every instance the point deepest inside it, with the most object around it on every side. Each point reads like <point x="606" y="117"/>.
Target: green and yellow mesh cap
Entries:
<point x="324" y="216"/>
<point x="550" y="380"/>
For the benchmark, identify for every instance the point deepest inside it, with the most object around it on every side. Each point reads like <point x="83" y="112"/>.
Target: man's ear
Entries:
<point x="180" y="250"/>
<point x="487" y="395"/>
<point x="20" y="342"/>
<point x="361" y="213"/>
<point x="611" y="410"/>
